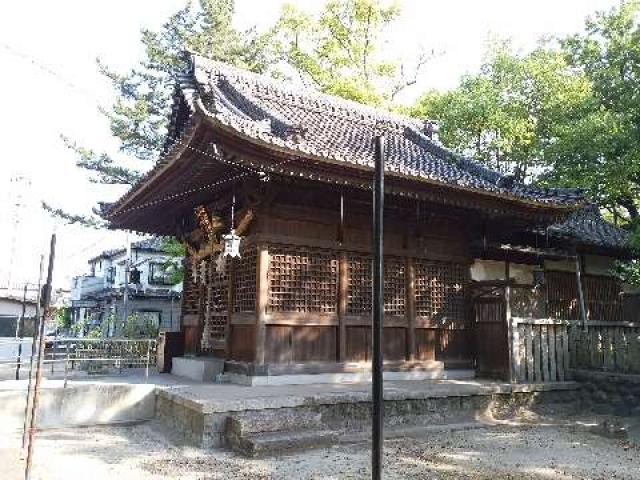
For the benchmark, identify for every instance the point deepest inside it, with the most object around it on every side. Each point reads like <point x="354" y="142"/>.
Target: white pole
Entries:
<point x="125" y="298"/>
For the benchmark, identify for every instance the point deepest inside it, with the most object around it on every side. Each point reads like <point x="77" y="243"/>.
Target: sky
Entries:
<point x="51" y="87"/>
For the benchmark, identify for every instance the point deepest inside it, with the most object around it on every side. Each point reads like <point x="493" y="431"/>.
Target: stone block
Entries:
<point x="200" y="369"/>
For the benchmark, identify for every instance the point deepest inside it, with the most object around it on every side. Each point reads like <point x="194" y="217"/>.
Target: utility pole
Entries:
<point x="46" y="313"/>
<point x="20" y="330"/>
<point x="36" y="328"/>
<point x="377" y="436"/>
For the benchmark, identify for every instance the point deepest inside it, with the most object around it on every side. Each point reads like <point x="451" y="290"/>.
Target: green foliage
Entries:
<point x="95" y="332"/>
<point x="628" y="272"/>
<point x="75" y="219"/>
<point x="564" y="115"/>
<point x="63" y="318"/>
<point x="176" y="251"/>
<point x="338" y="50"/>
<point x="139" y="326"/>
<point x="567" y="114"/>
<point x="510" y="113"/>
<point x="138" y="117"/>
<point x="78" y="328"/>
<point x="604" y="153"/>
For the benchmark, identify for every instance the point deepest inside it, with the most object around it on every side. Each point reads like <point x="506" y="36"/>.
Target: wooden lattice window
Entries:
<point x="359" y="296"/>
<point x="216" y="308"/>
<point x="439" y="290"/>
<point x="394" y="286"/>
<point x="602" y="296"/>
<point x="302" y="280"/>
<point x="360" y="285"/>
<point x="245" y="281"/>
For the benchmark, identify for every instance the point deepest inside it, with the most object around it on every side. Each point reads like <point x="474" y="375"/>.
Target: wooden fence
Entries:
<point x="545" y="350"/>
<point x="540" y="350"/>
<point x="606" y="346"/>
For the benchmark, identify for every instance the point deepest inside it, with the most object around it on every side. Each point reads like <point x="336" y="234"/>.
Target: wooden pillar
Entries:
<point x="411" y="308"/>
<point x="343" y="292"/>
<point x="581" y="301"/>
<point x="230" y="306"/>
<point x="262" y="298"/>
<point x="512" y="330"/>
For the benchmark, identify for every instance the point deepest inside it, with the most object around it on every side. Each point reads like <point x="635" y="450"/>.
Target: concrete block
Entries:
<point x="81" y="405"/>
<point x="198" y="369"/>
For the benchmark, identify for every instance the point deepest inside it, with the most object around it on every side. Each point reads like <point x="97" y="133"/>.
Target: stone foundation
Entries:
<point x="609" y="393"/>
<point x="209" y="425"/>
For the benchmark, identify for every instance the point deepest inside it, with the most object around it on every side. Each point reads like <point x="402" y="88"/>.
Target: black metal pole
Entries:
<point x="46" y="313"/>
<point x="378" y="311"/>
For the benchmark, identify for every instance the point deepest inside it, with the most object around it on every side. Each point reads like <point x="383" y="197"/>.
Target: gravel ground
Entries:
<point x="503" y="452"/>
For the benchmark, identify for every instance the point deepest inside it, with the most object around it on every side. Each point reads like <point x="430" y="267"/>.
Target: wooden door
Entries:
<point x="491" y="338"/>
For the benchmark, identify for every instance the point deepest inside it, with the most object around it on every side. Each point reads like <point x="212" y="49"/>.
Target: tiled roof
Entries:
<point x="586" y="226"/>
<point x="306" y="122"/>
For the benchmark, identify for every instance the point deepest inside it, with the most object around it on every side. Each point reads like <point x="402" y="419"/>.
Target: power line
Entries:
<point x="50" y="71"/>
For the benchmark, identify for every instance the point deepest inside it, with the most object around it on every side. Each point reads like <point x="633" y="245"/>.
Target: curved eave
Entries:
<point x="158" y="171"/>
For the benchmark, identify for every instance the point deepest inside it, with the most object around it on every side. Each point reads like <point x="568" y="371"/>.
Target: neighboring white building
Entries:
<point x="100" y="294"/>
<point x="11" y="310"/>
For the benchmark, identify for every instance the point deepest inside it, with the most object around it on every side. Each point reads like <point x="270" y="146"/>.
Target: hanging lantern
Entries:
<point x="231" y="241"/>
<point x="231" y="245"/>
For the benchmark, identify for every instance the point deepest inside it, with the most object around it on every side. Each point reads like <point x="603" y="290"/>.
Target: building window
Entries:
<point x="158" y="274"/>
<point x="111" y="274"/>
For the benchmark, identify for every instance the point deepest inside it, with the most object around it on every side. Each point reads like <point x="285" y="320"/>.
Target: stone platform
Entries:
<point x="259" y="419"/>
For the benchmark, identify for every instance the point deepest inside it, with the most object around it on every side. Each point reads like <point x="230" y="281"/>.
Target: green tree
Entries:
<point x="511" y="112"/>
<point x="173" y="265"/>
<point x="138" y="117"/>
<point x="338" y="51"/>
<point x="603" y="155"/>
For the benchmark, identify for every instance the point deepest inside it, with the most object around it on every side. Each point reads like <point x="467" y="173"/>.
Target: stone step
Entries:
<point x="274" y="420"/>
<point x="262" y="444"/>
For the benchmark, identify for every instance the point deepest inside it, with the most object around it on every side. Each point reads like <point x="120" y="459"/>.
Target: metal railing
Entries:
<point x="94" y="356"/>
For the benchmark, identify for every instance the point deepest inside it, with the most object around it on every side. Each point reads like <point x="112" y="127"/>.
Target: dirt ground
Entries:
<point x="500" y="452"/>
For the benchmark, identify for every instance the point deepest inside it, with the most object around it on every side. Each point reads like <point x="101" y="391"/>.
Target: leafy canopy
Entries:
<point x="509" y="113"/>
<point x="338" y="51"/>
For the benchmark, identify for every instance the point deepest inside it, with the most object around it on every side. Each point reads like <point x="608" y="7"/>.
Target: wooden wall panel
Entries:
<point x="314" y="344"/>
<point x="243" y="343"/>
<point x="358" y="344"/>
<point x="278" y="348"/>
<point x="299" y="344"/>
<point x="394" y="345"/>
<point x="454" y="346"/>
<point x="426" y="341"/>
